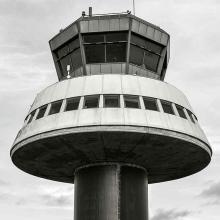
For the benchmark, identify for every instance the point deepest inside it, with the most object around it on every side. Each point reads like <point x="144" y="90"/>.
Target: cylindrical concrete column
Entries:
<point x="111" y="192"/>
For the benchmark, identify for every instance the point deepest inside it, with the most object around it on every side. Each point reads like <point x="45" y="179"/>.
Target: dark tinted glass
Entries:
<point x="136" y="55"/>
<point x="156" y="48"/>
<point x="131" y="101"/>
<point x="116" y="52"/>
<point x="76" y="59"/>
<point x="72" y="104"/>
<point x="138" y="40"/>
<point x="95" y="53"/>
<point x="151" y="61"/>
<point x="93" y="38"/>
<point x="31" y="116"/>
<point x="73" y="44"/>
<point x="167" y="107"/>
<point x="190" y="115"/>
<point x="41" y="112"/>
<point x="62" y="51"/>
<point x="196" y="118"/>
<point x="114" y="37"/>
<point x="55" y="107"/>
<point x="64" y="62"/>
<point x="111" y="101"/>
<point x="91" y="102"/>
<point x="150" y="104"/>
<point x="180" y="111"/>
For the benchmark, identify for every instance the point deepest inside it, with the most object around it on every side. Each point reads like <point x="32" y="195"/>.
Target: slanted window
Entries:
<point x="150" y="104"/>
<point x="111" y="101"/>
<point x="167" y="107"/>
<point x="69" y="54"/>
<point x="55" y="107"/>
<point x="41" y="112"/>
<point x="72" y="104"/>
<point x="190" y="115"/>
<point x="31" y="116"/>
<point x="195" y="117"/>
<point x="108" y="47"/>
<point x="115" y="52"/>
<point x="145" y="53"/>
<point x="91" y="101"/>
<point x="131" y="101"/>
<point x="95" y="53"/>
<point x="181" y="112"/>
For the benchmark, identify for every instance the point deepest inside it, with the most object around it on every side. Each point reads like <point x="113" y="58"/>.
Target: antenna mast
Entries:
<point x="134" y="7"/>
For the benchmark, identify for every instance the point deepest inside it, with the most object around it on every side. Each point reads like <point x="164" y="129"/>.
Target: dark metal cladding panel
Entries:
<point x="133" y="195"/>
<point x="96" y="193"/>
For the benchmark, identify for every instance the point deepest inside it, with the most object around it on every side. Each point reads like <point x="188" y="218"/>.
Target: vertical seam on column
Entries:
<point x="118" y="174"/>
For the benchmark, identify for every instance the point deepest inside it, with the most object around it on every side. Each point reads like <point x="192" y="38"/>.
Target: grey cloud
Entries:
<point x="213" y="191"/>
<point x="170" y="214"/>
<point x="57" y="201"/>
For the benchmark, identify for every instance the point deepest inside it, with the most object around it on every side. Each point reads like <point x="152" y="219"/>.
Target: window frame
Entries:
<point x="167" y="103"/>
<point x="90" y="96"/>
<point x="151" y="99"/>
<point x="111" y="95"/>
<point x="51" y="107"/>
<point x="105" y="43"/>
<point x="132" y="96"/>
<point x="145" y="51"/>
<point x="68" y="53"/>
<point x="70" y="99"/>
<point x="42" y="107"/>
<point x="182" y="109"/>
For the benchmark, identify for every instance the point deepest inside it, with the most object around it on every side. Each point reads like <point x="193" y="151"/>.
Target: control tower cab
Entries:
<point x="111" y="124"/>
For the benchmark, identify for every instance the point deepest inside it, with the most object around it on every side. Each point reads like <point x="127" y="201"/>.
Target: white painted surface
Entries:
<point x="111" y="84"/>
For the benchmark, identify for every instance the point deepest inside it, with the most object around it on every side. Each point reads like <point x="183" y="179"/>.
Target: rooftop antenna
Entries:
<point x="134" y="7"/>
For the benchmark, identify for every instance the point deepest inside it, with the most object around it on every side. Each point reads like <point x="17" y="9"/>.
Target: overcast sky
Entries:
<point x="26" y="67"/>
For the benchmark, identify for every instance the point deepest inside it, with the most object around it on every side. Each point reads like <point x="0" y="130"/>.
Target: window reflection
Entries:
<point x="145" y="53"/>
<point x="108" y="47"/>
<point x="69" y="54"/>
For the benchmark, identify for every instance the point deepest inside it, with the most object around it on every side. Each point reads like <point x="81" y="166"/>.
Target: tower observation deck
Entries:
<point x="110" y="125"/>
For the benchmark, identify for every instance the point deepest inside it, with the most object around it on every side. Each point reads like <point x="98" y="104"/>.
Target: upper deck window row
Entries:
<point x="112" y="101"/>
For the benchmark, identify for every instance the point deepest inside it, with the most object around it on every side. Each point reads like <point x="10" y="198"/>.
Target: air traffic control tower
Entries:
<point x="111" y="125"/>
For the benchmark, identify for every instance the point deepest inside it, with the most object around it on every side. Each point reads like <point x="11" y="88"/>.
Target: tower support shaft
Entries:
<point x="111" y="192"/>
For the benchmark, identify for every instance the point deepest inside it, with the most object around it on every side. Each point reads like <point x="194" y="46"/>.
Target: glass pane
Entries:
<point x="55" y="107"/>
<point x="156" y="48"/>
<point x="31" y="116"/>
<point x="95" y="53"/>
<point x="91" y="102"/>
<point x="138" y="40"/>
<point x="190" y="115"/>
<point x="151" y="61"/>
<point x="73" y="44"/>
<point x="111" y="101"/>
<point x="76" y="59"/>
<point x="180" y="111"/>
<point x="167" y="107"/>
<point x="136" y="55"/>
<point x="114" y="37"/>
<point x="93" y="38"/>
<point x="131" y="101"/>
<point x="41" y="112"/>
<point x="64" y="62"/>
<point x="150" y="104"/>
<point x="116" y="52"/>
<point x="72" y="104"/>
<point x="62" y="51"/>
